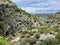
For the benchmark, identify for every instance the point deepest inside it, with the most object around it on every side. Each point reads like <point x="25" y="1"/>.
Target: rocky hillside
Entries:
<point x="18" y="27"/>
<point x="14" y="20"/>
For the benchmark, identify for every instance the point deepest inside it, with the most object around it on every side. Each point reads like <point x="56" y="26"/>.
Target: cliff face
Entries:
<point x="14" y="20"/>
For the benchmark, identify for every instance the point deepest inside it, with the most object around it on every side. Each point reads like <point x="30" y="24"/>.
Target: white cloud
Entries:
<point x="54" y="3"/>
<point x="16" y="1"/>
<point x="19" y="1"/>
<point x="31" y="9"/>
<point x="39" y="5"/>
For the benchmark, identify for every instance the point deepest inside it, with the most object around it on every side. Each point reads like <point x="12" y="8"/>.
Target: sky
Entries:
<point x="39" y="6"/>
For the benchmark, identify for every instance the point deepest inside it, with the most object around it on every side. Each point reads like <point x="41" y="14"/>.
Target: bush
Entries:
<point x="58" y="37"/>
<point x="22" y="42"/>
<point x="37" y="36"/>
<point x="31" y="40"/>
<point x="48" y="30"/>
<point x="49" y="42"/>
<point x="3" y="41"/>
<point x="24" y="32"/>
<point x="42" y="29"/>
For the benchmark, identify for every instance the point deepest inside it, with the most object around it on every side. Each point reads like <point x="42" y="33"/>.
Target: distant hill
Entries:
<point x="43" y="14"/>
<point x="57" y="13"/>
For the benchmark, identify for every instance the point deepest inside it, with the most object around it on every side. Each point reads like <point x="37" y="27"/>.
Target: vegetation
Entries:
<point x="58" y="37"/>
<point x="9" y="1"/>
<point x="49" y="42"/>
<point x="58" y="13"/>
<point x="30" y="40"/>
<point x="21" y="11"/>
<point x="48" y="26"/>
<point x="3" y="41"/>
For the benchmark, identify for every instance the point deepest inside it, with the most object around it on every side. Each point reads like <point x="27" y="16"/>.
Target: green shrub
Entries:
<point x="31" y="40"/>
<point x="49" y="42"/>
<point x="22" y="42"/>
<point x="57" y="28"/>
<point x="58" y="37"/>
<point x="24" y="32"/>
<point x="42" y="29"/>
<point x="3" y="41"/>
<point x="37" y="35"/>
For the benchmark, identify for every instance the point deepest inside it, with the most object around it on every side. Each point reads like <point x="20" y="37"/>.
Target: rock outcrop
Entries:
<point x="14" y="20"/>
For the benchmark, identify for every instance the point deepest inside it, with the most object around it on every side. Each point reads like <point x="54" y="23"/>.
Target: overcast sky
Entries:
<point x="39" y="6"/>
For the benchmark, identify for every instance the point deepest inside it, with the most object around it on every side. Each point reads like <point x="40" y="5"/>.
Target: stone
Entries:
<point x="46" y="36"/>
<point x="27" y="44"/>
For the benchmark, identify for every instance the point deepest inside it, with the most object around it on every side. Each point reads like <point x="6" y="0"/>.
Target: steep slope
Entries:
<point x="13" y="19"/>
